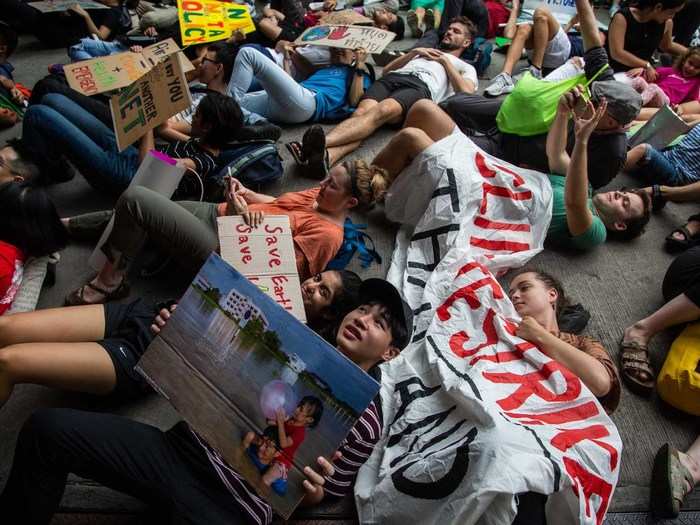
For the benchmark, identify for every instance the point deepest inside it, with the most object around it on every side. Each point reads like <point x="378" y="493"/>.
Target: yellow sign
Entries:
<point x="210" y="20"/>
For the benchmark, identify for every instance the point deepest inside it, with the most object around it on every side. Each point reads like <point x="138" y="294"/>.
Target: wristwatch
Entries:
<point x="648" y="65"/>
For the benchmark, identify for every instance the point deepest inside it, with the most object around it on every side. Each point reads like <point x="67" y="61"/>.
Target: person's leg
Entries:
<point x="80" y="367"/>
<point x="403" y="147"/>
<point x="691" y="459"/>
<point x="472" y="112"/>
<point x="588" y="25"/>
<point x="55" y="84"/>
<point x="545" y="27"/>
<point x="89" y="48"/>
<point x="521" y="40"/>
<point x="60" y="325"/>
<point x="427" y="116"/>
<point x="372" y="115"/>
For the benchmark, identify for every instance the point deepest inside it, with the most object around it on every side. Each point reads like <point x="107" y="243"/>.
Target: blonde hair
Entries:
<point x="369" y="182"/>
<point x="681" y="60"/>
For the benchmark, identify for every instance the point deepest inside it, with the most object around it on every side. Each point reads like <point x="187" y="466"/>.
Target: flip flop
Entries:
<point x="689" y="240"/>
<point x="668" y="479"/>
<point x="75" y="298"/>
<point x="634" y="358"/>
<point x="295" y="150"/>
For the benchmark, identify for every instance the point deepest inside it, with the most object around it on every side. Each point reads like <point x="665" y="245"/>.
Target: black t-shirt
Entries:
<point x="71" y="28"/>
<point x="641" y="39"/>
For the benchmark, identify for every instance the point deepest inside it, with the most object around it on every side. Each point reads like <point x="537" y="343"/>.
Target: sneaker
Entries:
<point x="263" y="131"/>
<point x="429" y="20"/>
<point x="412" y="21"/>
<point x="536" y="72"/>
<point x="500" y="85"/>
<point x="56" y="69"/>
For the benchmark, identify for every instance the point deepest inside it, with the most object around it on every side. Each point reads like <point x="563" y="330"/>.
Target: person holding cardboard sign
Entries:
<point x="178" y="473"/>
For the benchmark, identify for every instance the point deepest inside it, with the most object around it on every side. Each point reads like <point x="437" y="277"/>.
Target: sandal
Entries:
<point x="75" y="298"/>
<point x="657" y="200"/>
<point x="634" y="365"/>
<point x="412" y="22"/>
<point x="668" y="479"/>
<point x="313" y="150"/>
<point x="689" y="240"/>
<point x="294" y="148"/>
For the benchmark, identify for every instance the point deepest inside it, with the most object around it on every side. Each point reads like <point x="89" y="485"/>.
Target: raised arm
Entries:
<point x="578" y="215"/>
<point x="509" y="30"/>
<point x="557" y="157"/>
<point x="357" y="87"/>
<point x="667" y="44"/>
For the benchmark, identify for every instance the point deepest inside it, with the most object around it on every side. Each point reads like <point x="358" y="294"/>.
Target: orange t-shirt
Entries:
<point x="316" y="240"/>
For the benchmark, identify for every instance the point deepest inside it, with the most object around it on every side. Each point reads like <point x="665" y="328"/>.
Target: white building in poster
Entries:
<point x="241" y="308"/>
<point x="294" y="367"/>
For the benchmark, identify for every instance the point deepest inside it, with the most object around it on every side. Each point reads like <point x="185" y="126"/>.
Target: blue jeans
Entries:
<point x="283" y="98"/>
<point x="657" y="169"/>
<point x="58" y="126"/>
<point x="89" y="48"/>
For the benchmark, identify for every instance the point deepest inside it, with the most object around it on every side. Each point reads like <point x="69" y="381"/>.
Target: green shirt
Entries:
<point x="558" y="232"/>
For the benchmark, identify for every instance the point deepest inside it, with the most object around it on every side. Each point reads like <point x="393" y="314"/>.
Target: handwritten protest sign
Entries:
<point x="149" y="101"/>
<point x="345" y="17"/>
<point x="210" y="20"/>
<point x="101" y="74"/>
<point x="54" y="6"/>
<point x="374" y="40"/>
<point x="265" y="255"/>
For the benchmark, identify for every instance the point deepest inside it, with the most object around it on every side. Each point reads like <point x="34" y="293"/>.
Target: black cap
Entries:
<point x="384" y="292"/>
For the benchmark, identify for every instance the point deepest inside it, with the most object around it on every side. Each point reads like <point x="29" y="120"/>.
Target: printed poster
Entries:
<point x="101" y="74"/>
<point x="210" y="20"/>
<point x="236" y="366"/>
<point x="373" y="39"/>
<point x="149" y="101"/>
<point x="54" y="6"/>
<point x="265" y="255"/>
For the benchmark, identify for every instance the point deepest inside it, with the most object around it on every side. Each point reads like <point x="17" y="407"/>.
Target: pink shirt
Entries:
<point x="677" y="88"/>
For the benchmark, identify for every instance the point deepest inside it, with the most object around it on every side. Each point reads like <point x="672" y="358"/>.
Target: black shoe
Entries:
<point x="88" y="227"/>
<point x="260" y="132"/>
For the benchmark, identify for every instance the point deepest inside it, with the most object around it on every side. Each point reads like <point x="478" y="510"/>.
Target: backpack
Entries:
<point x="478" y="54"/>
<point x="354" y="240"/>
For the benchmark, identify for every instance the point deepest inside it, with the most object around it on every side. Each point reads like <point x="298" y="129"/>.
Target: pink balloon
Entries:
<point x="275" y="395"/>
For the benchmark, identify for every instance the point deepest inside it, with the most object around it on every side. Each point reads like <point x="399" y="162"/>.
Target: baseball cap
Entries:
<point x="385" y="293"/>
<point x="624" y="103"/>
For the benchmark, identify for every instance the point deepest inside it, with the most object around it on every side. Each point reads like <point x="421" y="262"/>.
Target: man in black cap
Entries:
<point x="476" y="117"/>
<point x="175" y="471"/>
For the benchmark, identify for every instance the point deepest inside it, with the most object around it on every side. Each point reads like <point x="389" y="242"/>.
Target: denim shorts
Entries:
<point x="657" y="169"/>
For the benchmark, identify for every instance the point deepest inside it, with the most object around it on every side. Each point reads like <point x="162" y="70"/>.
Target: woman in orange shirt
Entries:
<point x="187" y="231"/>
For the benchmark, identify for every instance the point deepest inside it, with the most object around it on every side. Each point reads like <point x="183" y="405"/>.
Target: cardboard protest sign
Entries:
<point x="475" y="414"/>
<point x="111" y="72"/>
<point x="149" y="101"/>
<point x="660" y="130"/>
<point x="54" y="6"/>
<point x="374" y="40"/>
<point x="265" y="255"/>
<point x="345" y="17"/>
<point x="233" y="364"/>
<point x="210" y="20"/>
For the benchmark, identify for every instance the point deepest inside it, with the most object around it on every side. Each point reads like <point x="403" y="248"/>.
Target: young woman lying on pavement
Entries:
<point x="175" y="471"/>
<point x="94" y="348"/>
<point x="187" y="231"/>
<point x="539" y="298"/>
<point x="59" y="129"/>
<point x="681" y="290"/>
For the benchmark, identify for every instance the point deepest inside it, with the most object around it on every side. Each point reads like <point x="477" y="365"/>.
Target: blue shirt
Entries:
<point x="279" y="485"/>
<point x="6" y="70"/>
<point x="685" y="156"/>
<point x="331" y="86"/>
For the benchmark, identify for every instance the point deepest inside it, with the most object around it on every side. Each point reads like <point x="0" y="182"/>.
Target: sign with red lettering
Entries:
<point x="265" y="255"/>
<point x="476" y="414"/>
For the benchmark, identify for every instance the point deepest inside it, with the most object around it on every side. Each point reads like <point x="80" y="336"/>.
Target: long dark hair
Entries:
<point x="344" y="302"/>
<point x="29" y="221"/>
<point x="650" y="4"/>
<point x="550" y="282"/>
<point x="224" y="117"/>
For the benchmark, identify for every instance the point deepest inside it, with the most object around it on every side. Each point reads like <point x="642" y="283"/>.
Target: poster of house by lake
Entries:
<point x="239" y="369"/>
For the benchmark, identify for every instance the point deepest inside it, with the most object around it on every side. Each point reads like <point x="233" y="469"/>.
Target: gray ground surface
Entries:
<point x="618" y="283"/>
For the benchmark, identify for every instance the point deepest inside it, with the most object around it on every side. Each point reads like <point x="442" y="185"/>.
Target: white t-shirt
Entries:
<point x="434" y="76"/>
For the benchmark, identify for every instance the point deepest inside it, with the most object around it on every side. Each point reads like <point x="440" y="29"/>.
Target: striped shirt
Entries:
<point x="685" y="156"/>
<point x="355" y="449"/>
<point x="204" y="162"/>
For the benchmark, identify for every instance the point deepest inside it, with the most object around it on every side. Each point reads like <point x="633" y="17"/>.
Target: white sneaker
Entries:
<point x="500" y="85"/>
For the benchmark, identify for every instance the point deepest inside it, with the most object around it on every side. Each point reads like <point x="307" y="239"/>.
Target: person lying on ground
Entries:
<point x="685" y="236"/>
<point x="677" y="165"/>
<point x="330" y="93"/>
<point x="607" y="146"/>
<point x="14" y="98"/>
<point x="578" y="220"/>
<point x="420" y="73"/>
<point x="673" y="85"/>
<point x="539" y="298"/>
<point x="425" y="15"/>
<point x="94" y="348"/>
<point x="681" y="291"/>
<point x="674" y="475"/>
<point x="65" y="28"/>
<point x="29" y="227"/>
<point x="187" y="231"/>
<point x="58" y="129"/>
<point x="175" y="471"/>
<point x="542" y="37"/>
<point x="281" y="20"/>
<point x="637" y="30"/>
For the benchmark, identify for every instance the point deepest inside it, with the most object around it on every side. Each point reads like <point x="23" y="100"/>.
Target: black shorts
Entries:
<point x="404" y="89"/>
<point x="127" y="335"/>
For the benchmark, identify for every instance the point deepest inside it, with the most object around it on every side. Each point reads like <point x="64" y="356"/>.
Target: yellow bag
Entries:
<point x="679" y="380"/>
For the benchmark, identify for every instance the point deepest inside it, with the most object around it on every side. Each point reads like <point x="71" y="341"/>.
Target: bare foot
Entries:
<point x="93" y="296"/>
<point x="638" y="333"/>
<point x="692" y="465"/>
<point x="693" y="227"/>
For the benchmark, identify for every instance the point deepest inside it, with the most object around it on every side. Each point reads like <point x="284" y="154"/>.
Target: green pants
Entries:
<point x="186" y="231"/>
